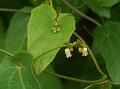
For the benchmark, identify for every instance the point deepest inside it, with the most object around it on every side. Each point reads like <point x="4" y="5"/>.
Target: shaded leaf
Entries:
<point x="41" y="38"/>
<point x="52" y="82"/>
<point x="17" y="32"/>
<point x="106" y="40"/>
<point x="74" y="85"/>
<point x="2" y="38"/>
<point x="107" y="3"/>
<point x="101" y="11"/>
<point x="18" y="76"/>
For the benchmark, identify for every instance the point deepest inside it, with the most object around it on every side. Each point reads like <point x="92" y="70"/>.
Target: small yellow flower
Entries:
<point x="68" y="53"/>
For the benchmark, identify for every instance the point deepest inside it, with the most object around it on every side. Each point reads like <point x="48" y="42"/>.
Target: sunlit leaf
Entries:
<point x="41" y="38"/>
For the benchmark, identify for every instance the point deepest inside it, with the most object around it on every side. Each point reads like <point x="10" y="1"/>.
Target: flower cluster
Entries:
<point x="82" y="48"/>
<point x="56" y="25"/>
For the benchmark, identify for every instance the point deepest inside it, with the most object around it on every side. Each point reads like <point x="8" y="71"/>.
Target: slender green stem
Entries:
<point x="93" y="57"/>
<point x="6" y="53"/>
<point x="14" y="10"/>
<point x="99" y="83"/>
<point x="95" y="62"/>
<point x="81" y="13"/>
<point x="74" y="79"/>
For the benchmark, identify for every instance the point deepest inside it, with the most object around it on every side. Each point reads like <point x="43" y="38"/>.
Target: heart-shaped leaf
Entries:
<point x="43" y="34"/>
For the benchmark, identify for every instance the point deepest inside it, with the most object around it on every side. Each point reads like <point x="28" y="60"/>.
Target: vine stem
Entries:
<point x="14" y="10"/>
<point x="91" y="85"/>
<point x="81" y="13"/>
<point x="93" y="57"/>
<point x="7" y="53"/>
<point x="74" y="79"/>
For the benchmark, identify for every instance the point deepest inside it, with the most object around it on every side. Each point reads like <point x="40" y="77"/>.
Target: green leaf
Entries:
<point x="107" y="3"/>
<point x="73" y="85"/>
<point x="2" y="38"/>
<point x="101" y="11"/>
<point x="17" y="32"/>
<point x="102" y="86"/>
<point x="18" y="76"/>
<point x="52" y="82"/>
<point x="41" y="38"/>
<point x="106" y="40"/>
